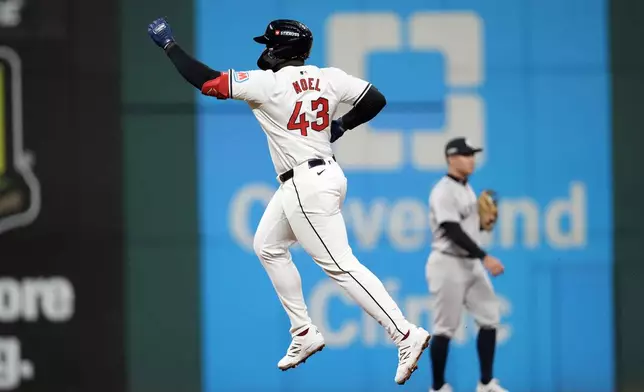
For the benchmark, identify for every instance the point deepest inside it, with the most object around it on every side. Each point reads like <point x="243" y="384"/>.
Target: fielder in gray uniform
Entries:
<point x="456" y="268"/>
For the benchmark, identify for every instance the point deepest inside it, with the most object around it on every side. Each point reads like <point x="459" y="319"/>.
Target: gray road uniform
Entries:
<point x="455" y="279"/>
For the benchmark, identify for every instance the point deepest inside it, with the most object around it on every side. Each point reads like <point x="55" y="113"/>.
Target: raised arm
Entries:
<point x="192" y="70"/>
<point x="250" y="86"/>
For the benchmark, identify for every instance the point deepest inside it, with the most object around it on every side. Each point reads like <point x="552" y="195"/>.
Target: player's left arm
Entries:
<point x="207" y="80"/>
<point x="193" y="71"/>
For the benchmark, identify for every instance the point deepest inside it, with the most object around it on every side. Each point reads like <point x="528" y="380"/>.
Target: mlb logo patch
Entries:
<point x="241" y="76"/>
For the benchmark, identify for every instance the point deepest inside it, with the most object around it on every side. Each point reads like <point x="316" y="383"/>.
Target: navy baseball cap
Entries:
<point x="460" y="146"/>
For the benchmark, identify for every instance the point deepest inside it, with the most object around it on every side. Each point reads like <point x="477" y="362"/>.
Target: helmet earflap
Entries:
<point x="267" y="60"/>
<point x="271" y="57"/>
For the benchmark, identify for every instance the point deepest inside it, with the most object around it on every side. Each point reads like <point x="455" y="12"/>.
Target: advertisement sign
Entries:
<point x="29" y="19"/>
<point x="61" y="253"/>
<point x="19" y="187"/>
<point x="530" y="85"/>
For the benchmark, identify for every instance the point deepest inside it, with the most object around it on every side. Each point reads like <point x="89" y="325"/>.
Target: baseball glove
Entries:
<point x="488" y="209"/>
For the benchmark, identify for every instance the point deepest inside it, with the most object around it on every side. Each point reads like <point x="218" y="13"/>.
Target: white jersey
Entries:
<point x="295" y="106"/>
<point x="453" y="201"/>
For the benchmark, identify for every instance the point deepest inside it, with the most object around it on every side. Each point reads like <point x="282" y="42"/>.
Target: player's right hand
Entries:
<point x="493" y="265"/>
<point x="337" y="130"/>
<point x="160" y="32"/>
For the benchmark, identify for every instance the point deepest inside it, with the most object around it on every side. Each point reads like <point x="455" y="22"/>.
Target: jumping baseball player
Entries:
<point x="456" y="266"/>
<point x="295" y="105"/>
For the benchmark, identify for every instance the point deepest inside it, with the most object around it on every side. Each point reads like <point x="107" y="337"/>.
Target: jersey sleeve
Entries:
<point x="250" y="86"/>
<point x="349" y="89"/>
<point x="444" y="208"/>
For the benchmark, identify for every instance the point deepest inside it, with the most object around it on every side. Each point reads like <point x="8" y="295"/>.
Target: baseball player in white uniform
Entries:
<point x="456" y="266"/>
<point x="295" y="105"/>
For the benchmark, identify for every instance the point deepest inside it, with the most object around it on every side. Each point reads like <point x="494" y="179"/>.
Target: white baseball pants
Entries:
<point x="459" y="284"/>
<point x="306" y="209"/>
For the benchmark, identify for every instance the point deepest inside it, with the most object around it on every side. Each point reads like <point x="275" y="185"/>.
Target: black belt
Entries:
<point x="455" y="255"/>
<point x="287" y="175"/>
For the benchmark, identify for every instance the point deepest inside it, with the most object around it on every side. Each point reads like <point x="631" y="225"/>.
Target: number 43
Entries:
<point x="298" y="121"/>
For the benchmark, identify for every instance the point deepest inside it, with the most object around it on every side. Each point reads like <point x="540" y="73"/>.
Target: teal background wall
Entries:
<point x="161" y="222"/>
<point x="627" y="30"/>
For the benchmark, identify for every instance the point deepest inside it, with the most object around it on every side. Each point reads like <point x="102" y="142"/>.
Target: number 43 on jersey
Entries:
<point x="298" y="121"/>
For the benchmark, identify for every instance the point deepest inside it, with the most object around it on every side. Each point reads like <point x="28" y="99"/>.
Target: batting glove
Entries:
<point x="337" y="129"/>
<point x="161" y="33"/>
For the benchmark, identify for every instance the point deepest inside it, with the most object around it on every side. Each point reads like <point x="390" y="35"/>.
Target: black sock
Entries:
<point x="438" y="353"/>
<point x="486" y="344"/>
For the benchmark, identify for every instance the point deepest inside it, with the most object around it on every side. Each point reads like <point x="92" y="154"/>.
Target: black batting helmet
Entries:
<point x="288" y="38"/>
